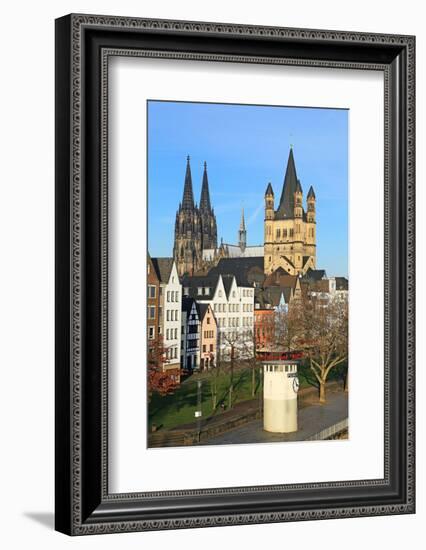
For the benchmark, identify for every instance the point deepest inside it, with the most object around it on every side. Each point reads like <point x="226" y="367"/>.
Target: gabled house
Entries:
<point x="232" y="305"/>
<point x="170" y="307"/>
<point x="208" y="337"/>
<point x="190" y="335"/>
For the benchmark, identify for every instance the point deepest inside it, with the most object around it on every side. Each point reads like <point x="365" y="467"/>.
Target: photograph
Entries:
<point x="247" y="274"/>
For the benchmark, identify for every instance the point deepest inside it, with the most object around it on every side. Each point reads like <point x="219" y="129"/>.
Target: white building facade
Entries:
<point x="233" y="308"/>
<point x="170" y="312"/>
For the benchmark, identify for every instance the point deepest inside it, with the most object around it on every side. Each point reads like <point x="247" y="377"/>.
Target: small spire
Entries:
<point x="242" y="233"/>
<point x="242" y="224"/>
<point x="269" y="190"/>
<point x="311" y="192"/>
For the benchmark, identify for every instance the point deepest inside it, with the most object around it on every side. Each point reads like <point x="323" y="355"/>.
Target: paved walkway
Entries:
<point x="312" y="420"/>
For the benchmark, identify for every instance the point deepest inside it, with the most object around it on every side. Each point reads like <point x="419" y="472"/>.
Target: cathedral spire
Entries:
<point x="188" y="196"/>
<point x="242" y="233"/>
<point x="242" y="223"/>
<point x="290" y="186"/>
<point x="205" y="195"/>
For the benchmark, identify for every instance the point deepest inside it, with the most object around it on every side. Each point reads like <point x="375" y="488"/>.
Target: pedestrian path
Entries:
<point x="311" y="420"/>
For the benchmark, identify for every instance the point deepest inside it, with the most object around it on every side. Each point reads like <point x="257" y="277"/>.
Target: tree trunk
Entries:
<point x="322" y="392"/>
<point x="253" y="380"/>
<point x="231" y="384"/>
<point x="214" y="398"/>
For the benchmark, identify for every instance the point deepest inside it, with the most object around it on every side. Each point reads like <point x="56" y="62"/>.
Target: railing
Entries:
<point x="329" y="432"/>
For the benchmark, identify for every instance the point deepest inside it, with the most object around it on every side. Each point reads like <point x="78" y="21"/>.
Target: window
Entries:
<point x="151" y="291"/>
<point x="151" y="312"/>
<point x="186" y="290"/>
<point x="278" y="233"/>
<point x="211" y="347"/>
<point x="291" y="232"/>
<point x="233" y="293"/>
<point x="168" y="295"/>
<point x="204" y="348"/>
<point x="151" y="332"/>
<point x="285" y="233"/>
<point x="220" y="294"/>
<point x="168" y="315"/>
<point x="199" y="290"/>
<point x="208" y="320"/>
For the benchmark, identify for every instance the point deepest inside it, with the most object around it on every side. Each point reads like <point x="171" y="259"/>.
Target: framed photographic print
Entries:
<point x="234" y="274"/>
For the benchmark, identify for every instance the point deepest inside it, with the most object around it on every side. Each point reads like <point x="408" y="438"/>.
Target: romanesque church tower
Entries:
<point x="195" y="228"/>
<point x="290" y="231"/>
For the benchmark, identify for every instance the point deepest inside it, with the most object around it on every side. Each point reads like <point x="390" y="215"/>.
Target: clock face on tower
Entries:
<point x="295" y="385"/>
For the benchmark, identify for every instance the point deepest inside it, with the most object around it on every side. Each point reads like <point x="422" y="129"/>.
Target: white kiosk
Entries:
<point x="280" y="387"/>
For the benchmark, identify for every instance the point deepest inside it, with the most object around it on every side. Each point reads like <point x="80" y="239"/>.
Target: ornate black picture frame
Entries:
<point x="83" y="46"/>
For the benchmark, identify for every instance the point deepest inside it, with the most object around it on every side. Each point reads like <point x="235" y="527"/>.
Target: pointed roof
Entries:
<point x="311" y="192"/>
<point x="242" y="223"/>
<point x="269" y="190"/>
<point x="205" y="195"/>
<point x="163" y="267"/>
<point x="188" y="196"/>
<point x="286" y="206"/>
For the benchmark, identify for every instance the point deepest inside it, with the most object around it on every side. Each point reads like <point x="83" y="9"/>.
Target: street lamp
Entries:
<point x="199" y="412"/>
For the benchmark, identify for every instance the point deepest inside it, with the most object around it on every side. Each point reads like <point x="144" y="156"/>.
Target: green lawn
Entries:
<point x="179" y="408"/>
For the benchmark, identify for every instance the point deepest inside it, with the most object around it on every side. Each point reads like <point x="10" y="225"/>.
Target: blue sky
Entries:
<point x="245" y="147"/>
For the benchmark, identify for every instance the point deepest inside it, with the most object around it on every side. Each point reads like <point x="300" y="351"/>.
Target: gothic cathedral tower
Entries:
<point x="290" y="232"/>
<point x="208" y="219"/>
<point x="187" y="250"/>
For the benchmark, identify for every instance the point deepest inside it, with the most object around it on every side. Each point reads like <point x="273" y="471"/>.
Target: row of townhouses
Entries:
<point x="201" y="320"/>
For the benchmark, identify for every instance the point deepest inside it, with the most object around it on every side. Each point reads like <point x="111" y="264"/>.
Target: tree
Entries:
<point x="324" y="338"/>
<point x="238" y="345"/>
<point x="159" y="380"/>
<point x="289" y="326"/>
<point x="214" y="376"/>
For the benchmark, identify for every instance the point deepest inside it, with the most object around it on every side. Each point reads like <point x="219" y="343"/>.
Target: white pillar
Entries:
<point x="280" y="387"/>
